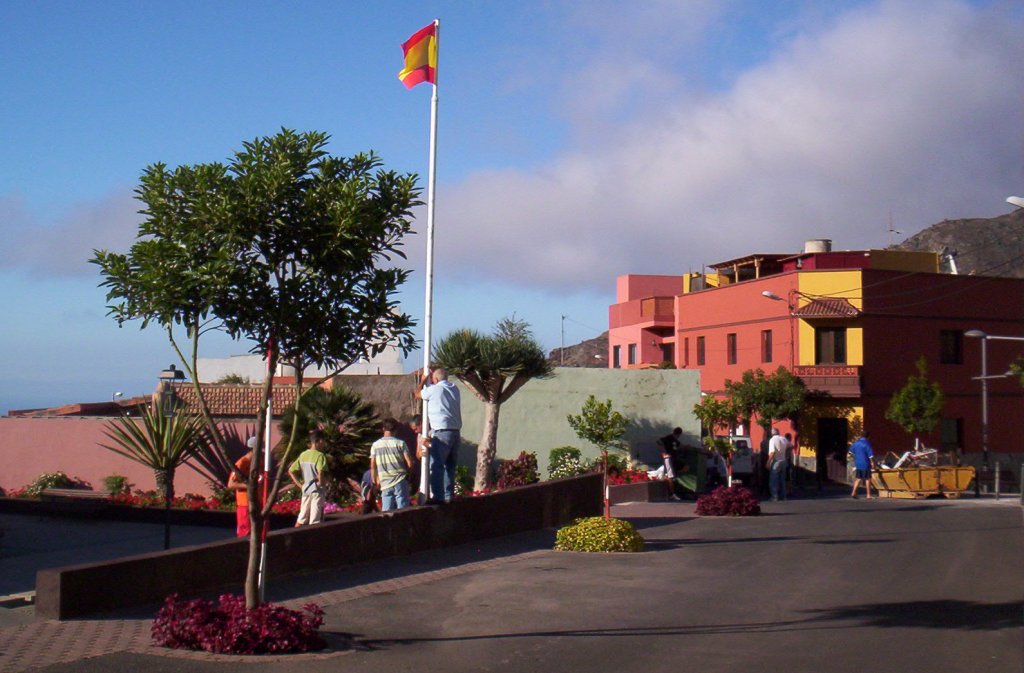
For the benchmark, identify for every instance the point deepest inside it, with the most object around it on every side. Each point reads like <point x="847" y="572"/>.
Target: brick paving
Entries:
<point x="43" y="643"/>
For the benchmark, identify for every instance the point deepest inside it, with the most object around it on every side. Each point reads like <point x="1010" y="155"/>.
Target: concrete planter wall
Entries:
<point x="74" y="591"/>
<point x="641" y="491"/>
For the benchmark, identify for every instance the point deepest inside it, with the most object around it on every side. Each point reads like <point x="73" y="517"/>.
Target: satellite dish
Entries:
<point x="1016" y="201"/>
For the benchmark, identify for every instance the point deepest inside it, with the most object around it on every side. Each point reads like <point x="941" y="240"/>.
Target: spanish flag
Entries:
<point x="420" y="57"/>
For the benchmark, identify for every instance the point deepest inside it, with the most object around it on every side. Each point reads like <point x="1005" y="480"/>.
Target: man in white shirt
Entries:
<point x="444" y="413"/>
<point x="777" y="462"/>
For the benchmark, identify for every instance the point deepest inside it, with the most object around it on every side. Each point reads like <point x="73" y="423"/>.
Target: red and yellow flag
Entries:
<point x="420" y="57"/>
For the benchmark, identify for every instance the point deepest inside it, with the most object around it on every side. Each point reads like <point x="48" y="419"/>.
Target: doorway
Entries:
<point x="833" y="444"/>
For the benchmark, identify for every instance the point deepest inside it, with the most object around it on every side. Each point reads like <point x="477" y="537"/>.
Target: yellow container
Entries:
<point x="920" y="482"/>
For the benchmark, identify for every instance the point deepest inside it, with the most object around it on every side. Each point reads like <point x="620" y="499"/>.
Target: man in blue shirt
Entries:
<point x="863" y="456"/>
<point x="444" y="413"/>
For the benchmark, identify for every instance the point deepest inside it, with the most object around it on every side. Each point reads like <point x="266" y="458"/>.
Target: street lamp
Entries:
<point x="984" y="378"/>
<point x="791" y="305"/>
<point x="168" y="399"/>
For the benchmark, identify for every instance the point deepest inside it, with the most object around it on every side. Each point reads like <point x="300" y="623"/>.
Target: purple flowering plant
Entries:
<point x="728" y="501"/>
<point x="229" y="628"/>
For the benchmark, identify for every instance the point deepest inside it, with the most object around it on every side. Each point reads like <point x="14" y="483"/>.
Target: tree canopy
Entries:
<point x="494" y="367"/>
<point x="917" y="406"/>
<point x="285" y="246"/>
<point x="767" y="397"/>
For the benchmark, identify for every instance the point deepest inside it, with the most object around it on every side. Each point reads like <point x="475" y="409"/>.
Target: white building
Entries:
<point x="254" y="367"/>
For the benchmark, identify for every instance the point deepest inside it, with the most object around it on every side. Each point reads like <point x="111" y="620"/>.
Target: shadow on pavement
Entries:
<point x="941" y="614"/>
<point x="937" y="614"/>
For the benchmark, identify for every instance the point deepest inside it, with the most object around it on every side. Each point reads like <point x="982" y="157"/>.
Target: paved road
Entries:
<point x="828" y="584"/>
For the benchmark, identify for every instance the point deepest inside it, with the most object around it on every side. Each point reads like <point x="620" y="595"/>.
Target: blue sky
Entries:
<point x="577" y="142"/>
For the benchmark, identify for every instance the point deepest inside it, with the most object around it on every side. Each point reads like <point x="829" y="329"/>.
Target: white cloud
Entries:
<point x="907" y="107"/>
<point x="63" y="247"/>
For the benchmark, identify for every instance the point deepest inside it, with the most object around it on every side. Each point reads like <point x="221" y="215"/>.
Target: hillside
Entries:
<point x="982" y="246"/>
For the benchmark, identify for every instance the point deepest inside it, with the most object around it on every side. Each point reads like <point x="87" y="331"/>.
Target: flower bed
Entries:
<point x="230" y="628"/>
<point x="728" y="501"/>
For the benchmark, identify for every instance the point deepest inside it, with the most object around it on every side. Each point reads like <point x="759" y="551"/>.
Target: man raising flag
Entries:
<point x="420" y="52"/>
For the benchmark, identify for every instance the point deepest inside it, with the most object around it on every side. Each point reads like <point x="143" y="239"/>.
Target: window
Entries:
<point x="951" y="347"/>
<point x="730" y="348"/>
<point x="766" y="345"/>
<point x="700" y="351"/>
<point x="952" y="434"/>
<point x="830" y="345"/>
<point x="631" y="355"/>
<point x="686" y="351"/>
<point x="616" y="357"/>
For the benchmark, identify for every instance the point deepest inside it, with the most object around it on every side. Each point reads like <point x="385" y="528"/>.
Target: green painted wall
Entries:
<point x="534" y="419"/>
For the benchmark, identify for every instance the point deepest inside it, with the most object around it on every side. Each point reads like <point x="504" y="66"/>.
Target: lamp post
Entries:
<point x="166" y="406"/>
<point x="984" y="378"/>
<point x="791" y="305"/>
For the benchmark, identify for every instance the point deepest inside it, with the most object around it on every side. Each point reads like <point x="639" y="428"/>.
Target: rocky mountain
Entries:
<point x="982" y="246"/>
<point x="589" y="353"/>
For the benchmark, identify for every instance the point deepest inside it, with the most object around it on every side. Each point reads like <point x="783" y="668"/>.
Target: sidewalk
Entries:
<point x="812" y="584"/>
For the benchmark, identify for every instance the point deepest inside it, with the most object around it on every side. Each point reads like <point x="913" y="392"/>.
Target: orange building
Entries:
<point x="851" y="325"/>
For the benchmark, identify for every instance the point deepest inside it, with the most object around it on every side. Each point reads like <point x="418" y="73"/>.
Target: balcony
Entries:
<point x="648" y="312"/>
<point x="830" y="380"/>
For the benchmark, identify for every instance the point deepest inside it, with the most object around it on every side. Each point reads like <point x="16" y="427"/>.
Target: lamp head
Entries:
<point x="975" y="334"/>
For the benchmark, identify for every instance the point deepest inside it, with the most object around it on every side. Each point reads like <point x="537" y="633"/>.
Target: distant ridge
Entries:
<point x="983" y="246"/>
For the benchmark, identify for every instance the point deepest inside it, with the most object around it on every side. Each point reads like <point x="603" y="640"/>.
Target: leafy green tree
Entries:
<point x="161" y="443"/>
<point x="1017" y="369"/>
<point x="494" y="367"/>
<point x="233" y="379"/>
<point x="602" y="426"/>
<point x="767" y="398"/>
<point x="350" y="424"/>
<point x="715" y="414"/>
<point x="917" y="406"/>
<point x="284" y="246"/>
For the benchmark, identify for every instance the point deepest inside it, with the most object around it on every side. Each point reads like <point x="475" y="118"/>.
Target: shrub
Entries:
<point x="599" y="534"/>
<point x="518" y="472"/>
<point x="230" y="628"/>
<point x="728" y="501"/>
<point x="565" y="461"/>
<point x="463" y="480"/>
<point x="116" y="483"/>
<point x="52" y="480"/>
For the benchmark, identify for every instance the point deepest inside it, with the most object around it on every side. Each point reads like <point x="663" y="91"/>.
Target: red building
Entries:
<point x="851" y="325"/>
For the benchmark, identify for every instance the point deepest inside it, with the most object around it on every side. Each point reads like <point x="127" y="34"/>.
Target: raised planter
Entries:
<point x="94" y="508"/>
<point x="74" y="591"/>
<point x="641" y="491"/>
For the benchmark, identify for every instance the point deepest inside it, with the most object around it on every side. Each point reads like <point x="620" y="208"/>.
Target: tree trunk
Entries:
<point x="165" y="483"/>
<point x="488" y="446"/>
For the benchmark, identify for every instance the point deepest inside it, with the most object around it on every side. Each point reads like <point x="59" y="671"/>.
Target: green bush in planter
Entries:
<point x="599" y="534"/>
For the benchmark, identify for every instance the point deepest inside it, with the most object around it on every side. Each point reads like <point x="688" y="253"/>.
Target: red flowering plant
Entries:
<point x="728" y="501"/>
<point x="190" y="501"/>
<point x="229" y="628"/>
<point x="619" y="471"/>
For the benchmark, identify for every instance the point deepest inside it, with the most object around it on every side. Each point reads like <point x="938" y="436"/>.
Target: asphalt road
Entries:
<point x="827" y="584"/>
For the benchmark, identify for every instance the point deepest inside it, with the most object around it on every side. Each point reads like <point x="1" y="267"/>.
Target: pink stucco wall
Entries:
<point x="32" y="446"/>
<point x="638" y="286"/>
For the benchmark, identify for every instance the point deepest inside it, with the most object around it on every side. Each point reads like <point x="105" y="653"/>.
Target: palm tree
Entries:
<point x="161" y="443"/>
<point x="494" y="367"/>
<point x="350" y="423"/>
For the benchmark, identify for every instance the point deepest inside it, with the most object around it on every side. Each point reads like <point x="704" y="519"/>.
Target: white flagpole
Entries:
<point x="261" y="582"/>
<point x="429" y="300"/>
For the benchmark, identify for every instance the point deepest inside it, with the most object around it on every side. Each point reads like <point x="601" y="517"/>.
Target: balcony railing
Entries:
<point x="831" y="380"/>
